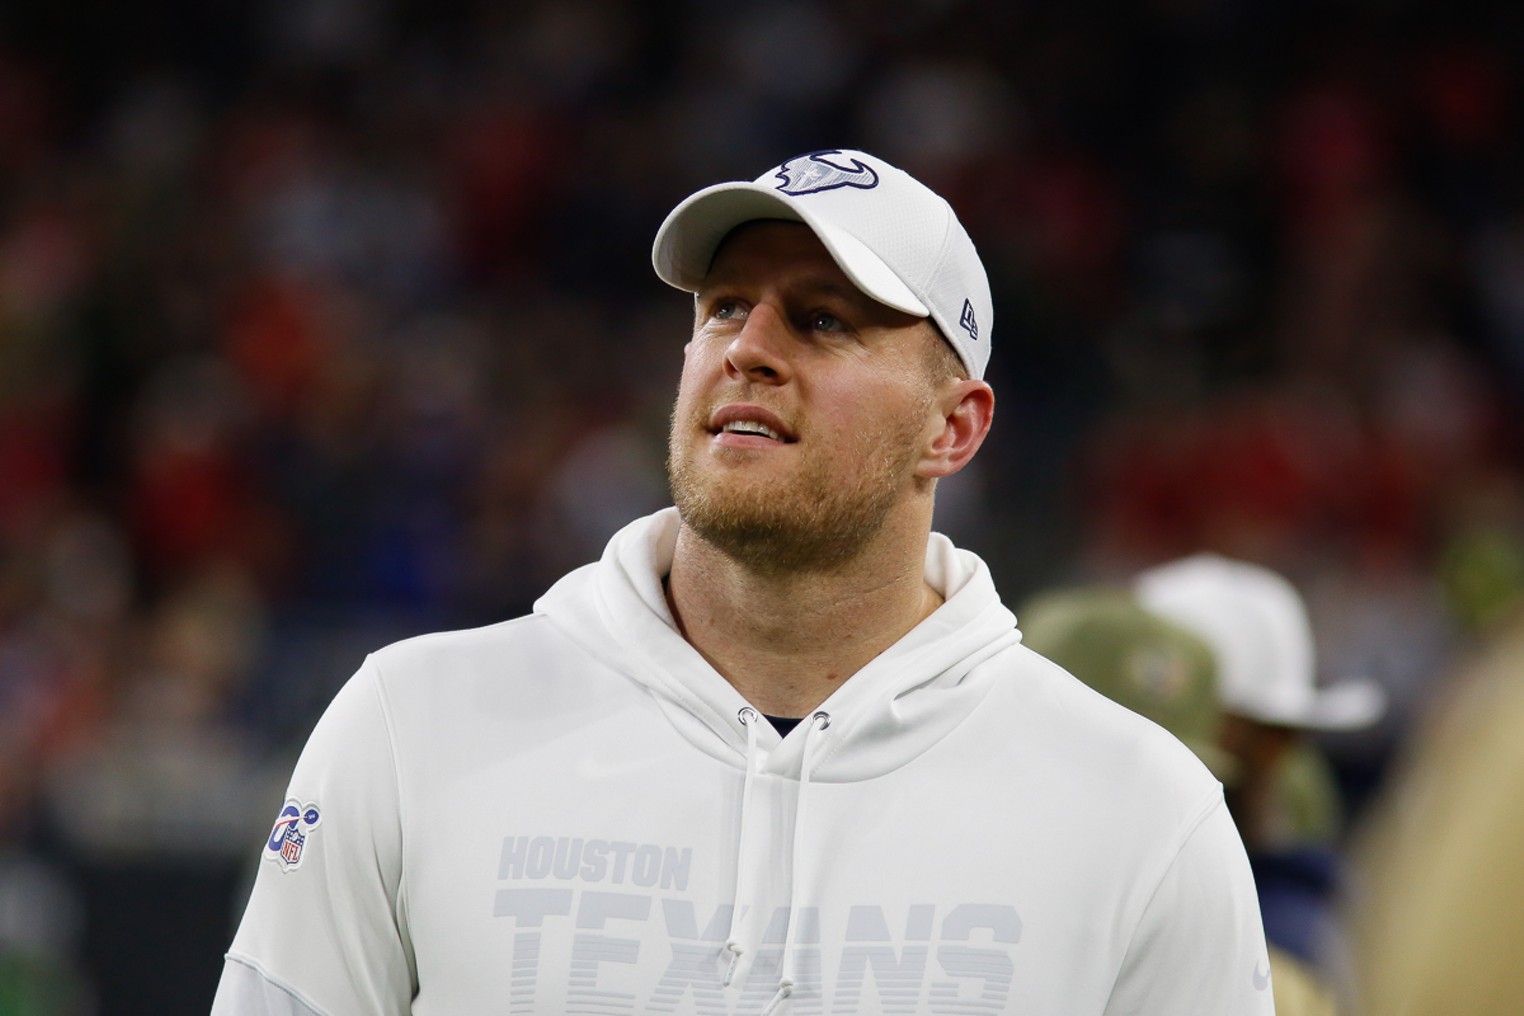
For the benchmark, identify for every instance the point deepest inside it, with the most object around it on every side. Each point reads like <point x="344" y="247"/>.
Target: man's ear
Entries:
<point x="967" y="408"/>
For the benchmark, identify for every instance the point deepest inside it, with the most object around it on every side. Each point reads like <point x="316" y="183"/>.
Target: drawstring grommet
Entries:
<point x="732" y="947"/>
<point x="746" y="714"/>
<point x="785" y="989"/>
<point x="821" y="719"/>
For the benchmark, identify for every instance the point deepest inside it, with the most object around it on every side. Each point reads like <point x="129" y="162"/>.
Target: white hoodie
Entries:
<point x="572" y="812"/>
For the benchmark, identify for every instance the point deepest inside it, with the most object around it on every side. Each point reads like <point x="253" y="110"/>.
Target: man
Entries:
<point x="1257" y="624"/>
<point x="780" y="750"/>
<point x="1283" y="799"/>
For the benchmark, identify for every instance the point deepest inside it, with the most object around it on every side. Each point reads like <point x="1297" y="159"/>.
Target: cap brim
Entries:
<point x="1352" y="703"/>
<point x="1349" y="705"/>
<point x="692" y="233"/>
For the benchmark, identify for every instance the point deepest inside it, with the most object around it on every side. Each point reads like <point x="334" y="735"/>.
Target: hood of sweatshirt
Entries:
<point x="896" y="707"/>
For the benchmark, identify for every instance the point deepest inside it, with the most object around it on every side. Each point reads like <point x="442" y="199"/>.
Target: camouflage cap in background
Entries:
<point x="1135" y="658"/>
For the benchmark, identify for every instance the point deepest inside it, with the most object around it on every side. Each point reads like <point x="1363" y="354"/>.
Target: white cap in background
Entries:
<point x="1257" y="625"/>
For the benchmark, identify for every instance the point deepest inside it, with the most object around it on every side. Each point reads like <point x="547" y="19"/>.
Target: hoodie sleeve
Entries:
<point x="1200" y="945"/>
<point x="325" y="931"/>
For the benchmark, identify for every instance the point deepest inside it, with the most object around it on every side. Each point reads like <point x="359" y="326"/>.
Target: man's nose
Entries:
<point x="760" y="350"/>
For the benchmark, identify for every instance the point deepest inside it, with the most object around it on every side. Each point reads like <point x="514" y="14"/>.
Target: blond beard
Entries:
<point x="817" y="521"/>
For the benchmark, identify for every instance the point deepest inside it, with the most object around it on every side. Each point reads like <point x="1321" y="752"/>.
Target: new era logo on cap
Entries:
<point x="895" y="238"/>
<point x="967" y="321"/>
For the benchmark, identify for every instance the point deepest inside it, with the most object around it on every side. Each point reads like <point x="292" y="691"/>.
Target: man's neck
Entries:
<point x="786" y="642"/>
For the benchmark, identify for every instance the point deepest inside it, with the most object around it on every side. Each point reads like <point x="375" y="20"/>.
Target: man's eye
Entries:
<point x="725" y="310"/>
<point x="820" y="321"/>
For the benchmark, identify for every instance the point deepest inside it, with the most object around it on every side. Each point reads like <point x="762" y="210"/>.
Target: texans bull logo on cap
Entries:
<point x="815" y="172"/>
<point x="894" y="237"/>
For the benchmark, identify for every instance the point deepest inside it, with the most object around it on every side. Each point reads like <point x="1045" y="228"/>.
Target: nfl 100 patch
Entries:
<point x="293" y="829"/>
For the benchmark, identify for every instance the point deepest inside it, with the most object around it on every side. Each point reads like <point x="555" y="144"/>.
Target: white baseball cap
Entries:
<point x="1257" y="625"/>
<point x="894" y="237"/>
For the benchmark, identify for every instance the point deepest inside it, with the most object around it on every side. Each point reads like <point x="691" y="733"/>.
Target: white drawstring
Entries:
<point x="785" y="989"/>
<point x="749" y="718"/>
<point x="818" y="721"/>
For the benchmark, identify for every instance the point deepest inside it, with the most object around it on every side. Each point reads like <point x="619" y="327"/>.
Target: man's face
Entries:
<point x="804" y="406"/>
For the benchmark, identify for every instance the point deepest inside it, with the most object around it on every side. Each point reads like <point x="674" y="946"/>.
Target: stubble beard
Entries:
<point x="816" y="521"/>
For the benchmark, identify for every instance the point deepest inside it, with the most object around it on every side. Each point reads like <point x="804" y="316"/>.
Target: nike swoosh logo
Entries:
<point x="1261" y="981"/>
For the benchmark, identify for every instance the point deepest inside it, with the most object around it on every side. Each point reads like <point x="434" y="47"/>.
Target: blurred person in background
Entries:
<point x="1436" y="902"/>
<point x="1134" y="657"/>
<point x="59" y="615"/>
<point x="782" y="735"/>
<point x="41" y="907"/>
<point x="1283" y="795"/>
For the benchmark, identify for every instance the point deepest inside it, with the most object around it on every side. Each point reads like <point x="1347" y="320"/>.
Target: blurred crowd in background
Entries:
<point x="324" y="324"/>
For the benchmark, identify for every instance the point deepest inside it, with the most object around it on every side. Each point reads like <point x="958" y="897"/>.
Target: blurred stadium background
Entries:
<point x="324" y="324"/>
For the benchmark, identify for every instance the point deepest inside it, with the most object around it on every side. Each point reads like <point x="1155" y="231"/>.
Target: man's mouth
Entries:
<point x="750" y="427"/>
<point x="750" y="421"/>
